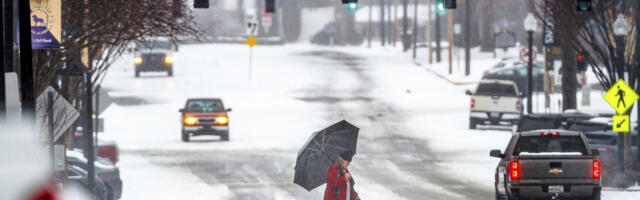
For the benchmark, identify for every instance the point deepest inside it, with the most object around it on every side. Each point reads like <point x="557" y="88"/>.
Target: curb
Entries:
<point x="456" y="83"/>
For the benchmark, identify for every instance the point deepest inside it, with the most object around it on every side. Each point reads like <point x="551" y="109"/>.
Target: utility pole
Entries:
<point x="8" y="35"/>
<point x="27" y="96"/>
<point x="429" y="31"/>
<point x="88" y="129"/>
<point x="395" y="22"/>
<point x="415" y="28"/>
<point x="370" y="26"/>
<point x="405" y="25"/>
<point x="438" y="47"/>
<point x="389" y="22"/>
<point x="3" y="96"/>
<point x="383" y="34"/>
<point x="467" y="38"/>
<point x="450" y="34"/>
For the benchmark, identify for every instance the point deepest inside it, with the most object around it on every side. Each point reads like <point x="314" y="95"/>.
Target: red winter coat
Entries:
<point x="337" y="184"/>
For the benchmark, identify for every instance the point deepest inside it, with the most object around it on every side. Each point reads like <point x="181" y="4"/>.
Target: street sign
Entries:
<point x="504" y="39"/>
<point x="64" y="114"/>
<point x="621" y="97"/>
<point x="251" y="41"/>
<point x="46" y="24"/>
<point x="548" y="37"/>
<point x="524" y="55"/>
<point x="251" y="27"/>
<point x="621" y="123"/>
<point x="266" y="21"/>
<point x="457" y="29"/>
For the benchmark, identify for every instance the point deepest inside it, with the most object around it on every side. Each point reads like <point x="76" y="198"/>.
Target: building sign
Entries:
<point x="504" y="39"/>
<point x="46" y="26"/>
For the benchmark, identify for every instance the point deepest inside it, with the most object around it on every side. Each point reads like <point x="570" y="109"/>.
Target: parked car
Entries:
<point x="76" y="174"/>
<point x="518" y="74"/>
<point x="108" y="172"/>
<point x="106" y="148"/>
<point x="154" y="54"/>
<point x="205" y="116"/>
<point x="495" y="102"/>
<point x="550" y="164"/>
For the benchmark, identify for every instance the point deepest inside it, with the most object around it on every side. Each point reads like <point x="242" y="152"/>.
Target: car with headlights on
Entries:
<point x="154" y="55"/>
<point x="205" y="116"/>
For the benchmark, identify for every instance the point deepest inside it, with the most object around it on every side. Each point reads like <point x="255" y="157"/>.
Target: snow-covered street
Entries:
<point x="414" y="139"/>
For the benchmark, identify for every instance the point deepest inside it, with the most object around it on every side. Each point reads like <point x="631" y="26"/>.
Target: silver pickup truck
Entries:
<point x="544" y="164"/>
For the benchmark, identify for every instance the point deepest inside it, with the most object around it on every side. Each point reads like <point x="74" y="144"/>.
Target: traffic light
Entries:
<point x="582" y="63"/>
<point x="352" y="5"/>
<point x="270" y="6"/>
<point x="584" y="5"/>
<point x="450" y="4"/>
<point x="200" y="3"/>
<point x="440" y="8"/>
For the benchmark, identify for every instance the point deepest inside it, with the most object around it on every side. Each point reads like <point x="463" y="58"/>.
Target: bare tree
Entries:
<point x="106" y="29"/>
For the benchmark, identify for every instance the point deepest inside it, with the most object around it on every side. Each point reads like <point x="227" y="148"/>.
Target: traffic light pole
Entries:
<point x="467" y="38"/>
<point x="3" y="104"/>
<point x="27" y="96"/>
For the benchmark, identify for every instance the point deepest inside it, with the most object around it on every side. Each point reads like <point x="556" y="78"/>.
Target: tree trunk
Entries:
<point x="569" y="79"/>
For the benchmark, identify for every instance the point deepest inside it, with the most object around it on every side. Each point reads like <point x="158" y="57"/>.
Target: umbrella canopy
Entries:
<point x="320" y="151"/>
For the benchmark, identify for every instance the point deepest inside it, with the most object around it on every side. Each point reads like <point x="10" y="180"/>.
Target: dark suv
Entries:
<point x="205" y="116"/>
<point x="154" y="55"/>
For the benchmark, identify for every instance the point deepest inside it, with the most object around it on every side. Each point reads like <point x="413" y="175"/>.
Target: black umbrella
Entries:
<point x="320" y="151"/>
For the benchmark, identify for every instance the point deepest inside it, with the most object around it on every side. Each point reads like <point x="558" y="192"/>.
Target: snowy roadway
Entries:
<point x="414" y="142"/>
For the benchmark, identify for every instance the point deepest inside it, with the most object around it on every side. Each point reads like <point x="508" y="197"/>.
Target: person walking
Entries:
<point x="339" y="180"/>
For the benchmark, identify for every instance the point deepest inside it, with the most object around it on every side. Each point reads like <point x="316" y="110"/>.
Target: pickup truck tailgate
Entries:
<point x="552" y="167"/>
<point x="502" y="104"/>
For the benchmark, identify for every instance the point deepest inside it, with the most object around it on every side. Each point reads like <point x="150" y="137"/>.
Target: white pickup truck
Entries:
<point x="495" y="102"/>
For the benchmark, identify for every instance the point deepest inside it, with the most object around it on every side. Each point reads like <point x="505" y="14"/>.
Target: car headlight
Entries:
<point x="137" y="60"/>
<point x="168" y="59"/>
<point x="222" y="120"/>
<point x="190" y="121"/>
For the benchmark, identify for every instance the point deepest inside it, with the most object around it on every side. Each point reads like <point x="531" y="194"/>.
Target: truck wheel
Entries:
<point x="472" y="124"/>
<point x="137" y="73"/>
<point x="225" y="137"/>
<point x="170" y="72"/>
<point x="185" y="137"/>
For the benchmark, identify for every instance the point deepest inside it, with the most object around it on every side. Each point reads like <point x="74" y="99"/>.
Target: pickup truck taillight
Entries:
<point x="514" y="169"/>
<point x="518" y="105"/>
<point x="596" y="169"/>
<point x="473" y="103"/>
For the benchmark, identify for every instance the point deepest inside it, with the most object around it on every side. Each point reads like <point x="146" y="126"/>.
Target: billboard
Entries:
<point x="46" y="26"/>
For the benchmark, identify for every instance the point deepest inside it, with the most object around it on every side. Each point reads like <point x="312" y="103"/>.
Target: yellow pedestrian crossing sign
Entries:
<point x="621" y="123"/>
<point x="621" y="97"/>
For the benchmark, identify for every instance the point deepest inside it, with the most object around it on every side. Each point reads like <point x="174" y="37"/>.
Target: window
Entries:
<point x="492" y="89"/>
<point x="550" y="144"/>
<point x="204" y="106"/>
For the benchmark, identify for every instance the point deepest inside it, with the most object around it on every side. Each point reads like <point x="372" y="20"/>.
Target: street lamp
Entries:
<point x="530" y="24"/>
<point x="620" y="30"/>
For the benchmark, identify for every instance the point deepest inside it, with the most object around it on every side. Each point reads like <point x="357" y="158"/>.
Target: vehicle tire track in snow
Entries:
<point x="403" y="164"/>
